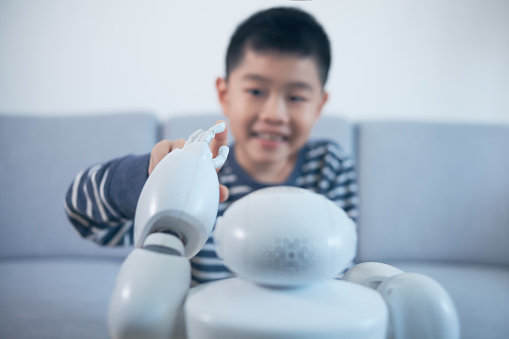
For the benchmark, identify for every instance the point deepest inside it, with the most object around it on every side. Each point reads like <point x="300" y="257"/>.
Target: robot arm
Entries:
<point x="181" y="196"/>
<point x="419" y="307"/>
<point x="175" y="214"/>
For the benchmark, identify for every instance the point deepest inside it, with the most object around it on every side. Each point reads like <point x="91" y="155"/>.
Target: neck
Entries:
<point x="270" y="172"/>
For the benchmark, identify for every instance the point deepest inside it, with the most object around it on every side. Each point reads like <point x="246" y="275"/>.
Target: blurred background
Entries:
<point x="440" y="60"/>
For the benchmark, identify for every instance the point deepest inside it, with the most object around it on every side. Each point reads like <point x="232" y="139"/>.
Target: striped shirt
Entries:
<point x="101" y="201"/>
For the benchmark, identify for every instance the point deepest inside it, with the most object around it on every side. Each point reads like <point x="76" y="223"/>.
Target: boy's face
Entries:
<point x="272" y="101"/>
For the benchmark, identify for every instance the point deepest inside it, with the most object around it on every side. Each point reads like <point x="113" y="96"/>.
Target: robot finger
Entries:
<point x="218" y="128"/>
<point x="211" y="133"/>
<point x="193" y="137"/>
<point x="206" y="136"/>
<point x="221" y="157"/>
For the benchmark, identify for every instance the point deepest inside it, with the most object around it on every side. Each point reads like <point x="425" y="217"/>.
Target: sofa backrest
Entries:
<point x="328" y="127"/>
<point x="429" y="191"/>
<point x="39" y="157"/>
<point x="434" y="191"/>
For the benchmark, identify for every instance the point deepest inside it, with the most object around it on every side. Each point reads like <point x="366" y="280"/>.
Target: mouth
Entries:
<point x="274" y="137"/>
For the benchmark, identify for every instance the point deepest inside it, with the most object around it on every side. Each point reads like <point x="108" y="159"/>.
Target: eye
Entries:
<point x="255" y="92"/>
<point x="296" y="98"/>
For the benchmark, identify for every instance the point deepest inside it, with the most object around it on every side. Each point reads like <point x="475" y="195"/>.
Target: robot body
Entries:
<point x="284" y="243"/>
<point x="238" y="308"/>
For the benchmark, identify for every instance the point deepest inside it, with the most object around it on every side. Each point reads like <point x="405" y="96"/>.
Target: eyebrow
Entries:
<point x="294" y="84"/>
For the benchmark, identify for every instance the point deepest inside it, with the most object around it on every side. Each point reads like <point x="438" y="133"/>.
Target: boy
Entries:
<point x="276" y="68"/>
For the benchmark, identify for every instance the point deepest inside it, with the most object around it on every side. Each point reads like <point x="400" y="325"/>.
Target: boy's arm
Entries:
<point x="343" y="189"/>
<point x="101" y="201"/>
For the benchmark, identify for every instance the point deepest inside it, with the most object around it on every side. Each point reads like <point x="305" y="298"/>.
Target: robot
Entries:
<point x="287" y="246"/>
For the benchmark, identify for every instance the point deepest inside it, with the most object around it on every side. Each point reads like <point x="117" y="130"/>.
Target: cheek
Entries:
<point x="302" y="127"/>
<point x="304" y="121"/>
<point x="239" y="126"/>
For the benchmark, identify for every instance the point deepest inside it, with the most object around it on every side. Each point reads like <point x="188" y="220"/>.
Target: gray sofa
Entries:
<point x="434" y="200"/>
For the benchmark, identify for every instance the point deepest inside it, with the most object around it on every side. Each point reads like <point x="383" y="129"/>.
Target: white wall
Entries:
<point x="419" y="60"/>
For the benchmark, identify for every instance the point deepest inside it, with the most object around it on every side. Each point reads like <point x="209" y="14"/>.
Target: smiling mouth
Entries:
<point x="270" y="137"/>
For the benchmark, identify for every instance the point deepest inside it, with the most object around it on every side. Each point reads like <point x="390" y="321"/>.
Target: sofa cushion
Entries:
<point x="327" y="127"/>
<point x="434" y="191"/>
<point x="480" y="293"/>
<point x="39" y="157"/>
<point x="51" y="298"/>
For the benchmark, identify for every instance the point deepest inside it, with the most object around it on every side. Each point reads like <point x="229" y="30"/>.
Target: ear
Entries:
<point x="222" y="94"/>
<point x="323" y="100"/>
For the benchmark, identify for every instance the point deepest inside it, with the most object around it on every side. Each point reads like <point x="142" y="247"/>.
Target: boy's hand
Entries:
<point x="163" y="147"/>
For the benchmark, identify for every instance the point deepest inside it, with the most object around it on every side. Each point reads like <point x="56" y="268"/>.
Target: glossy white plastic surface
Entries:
<point x="285" y="236"/>
<point x="182" y="194"/>
<point x="149" y="294"/>
<point x="165" y="241"/>
<point x="237" y="308"/>
<point x="370" y="274"/>
<point x="174" y="217"/>
<point x="284" y="242"/>
<point x="419" y="308"/>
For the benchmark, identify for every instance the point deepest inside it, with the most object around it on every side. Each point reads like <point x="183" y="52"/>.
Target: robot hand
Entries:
<point x="175" y="214"/>
<point x="181" y="195"/>
<point x="206" y="137"/>
<point x="419" y="307"/>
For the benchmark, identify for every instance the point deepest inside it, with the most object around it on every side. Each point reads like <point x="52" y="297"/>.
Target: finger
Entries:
<point x="224" y="193"/>
<point x="221" y="157"/>
<point x="220" y="139"/>
<point x="161" y="149"/>
<point x="193" y="137"/>
<point x="156" y="154"/>
<point x="179" y="143"/>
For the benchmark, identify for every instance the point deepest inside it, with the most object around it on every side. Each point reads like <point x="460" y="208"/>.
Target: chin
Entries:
<point x="272" y="159"/>
<point x="264" y="160"/>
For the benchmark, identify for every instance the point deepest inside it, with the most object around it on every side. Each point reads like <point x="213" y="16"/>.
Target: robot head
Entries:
<point x="285" y="236"/>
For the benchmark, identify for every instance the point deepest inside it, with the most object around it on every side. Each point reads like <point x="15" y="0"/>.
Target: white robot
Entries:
<point x="285" y="244"/>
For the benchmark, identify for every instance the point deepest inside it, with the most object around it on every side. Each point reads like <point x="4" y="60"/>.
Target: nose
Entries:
<point x="274" y="111"/>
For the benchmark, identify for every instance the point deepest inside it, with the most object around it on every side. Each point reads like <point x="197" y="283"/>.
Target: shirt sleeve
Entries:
<point x="101" y="201"/>
<point x="342" y="187"/>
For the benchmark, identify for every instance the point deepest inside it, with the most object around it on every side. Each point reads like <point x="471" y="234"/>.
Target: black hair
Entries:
<point x="285" y="30"/>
